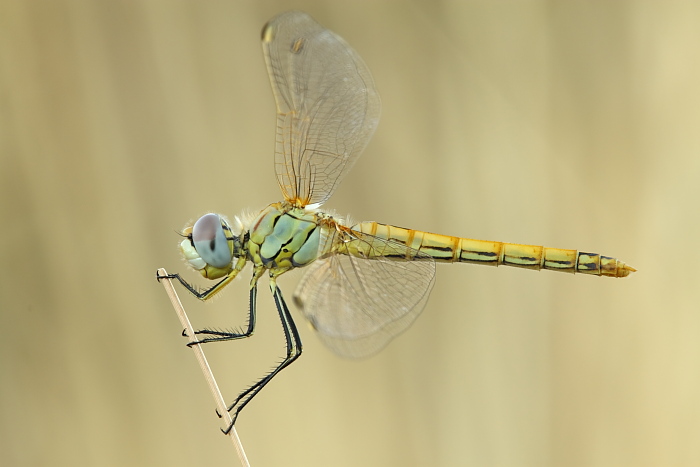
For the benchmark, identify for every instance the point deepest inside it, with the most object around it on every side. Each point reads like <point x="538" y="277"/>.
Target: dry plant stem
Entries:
<point x="204" y="365"/>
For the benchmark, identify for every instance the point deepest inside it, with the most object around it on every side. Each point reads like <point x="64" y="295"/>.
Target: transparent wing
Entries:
<point x="358" y="305"/>
<point x="327" y="106"/>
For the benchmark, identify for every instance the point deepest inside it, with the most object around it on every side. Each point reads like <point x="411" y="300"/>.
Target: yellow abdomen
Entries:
<point x="448" y="249"/>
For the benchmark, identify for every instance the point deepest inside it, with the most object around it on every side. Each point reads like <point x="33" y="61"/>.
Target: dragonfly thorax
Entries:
<point x="284" y="237"/>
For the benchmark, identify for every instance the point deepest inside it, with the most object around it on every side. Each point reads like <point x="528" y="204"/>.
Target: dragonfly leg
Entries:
<point x="202" y="294"/>
<point x="227" y="336"/>
<point x="294" y="347"/>
<point x="210" y="292"/>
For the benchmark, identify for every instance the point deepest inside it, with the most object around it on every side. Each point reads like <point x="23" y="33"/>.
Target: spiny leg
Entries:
<point x="294" y="347"/>
<point x="292" y="339"/>
<point x="213" y="290"/>
<point x="202" y="294"/>
<point x="227" y="336"/>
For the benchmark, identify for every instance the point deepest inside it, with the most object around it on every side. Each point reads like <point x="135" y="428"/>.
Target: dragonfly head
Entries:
<point x="210" y="246"/>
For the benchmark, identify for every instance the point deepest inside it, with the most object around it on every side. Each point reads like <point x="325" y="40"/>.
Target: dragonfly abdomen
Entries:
<point x="444" y="248"/>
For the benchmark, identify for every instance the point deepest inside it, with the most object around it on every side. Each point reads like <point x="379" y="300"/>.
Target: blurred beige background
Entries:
<point x="567" y="123"/>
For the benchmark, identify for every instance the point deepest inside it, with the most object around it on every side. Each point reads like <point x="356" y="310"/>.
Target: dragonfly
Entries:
<point x="365" y="283"/>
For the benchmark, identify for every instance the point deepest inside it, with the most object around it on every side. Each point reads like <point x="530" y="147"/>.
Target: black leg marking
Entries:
<point x="228" y="336"/>
<point x="200" y="294"/>
<point x="294" y="347"/>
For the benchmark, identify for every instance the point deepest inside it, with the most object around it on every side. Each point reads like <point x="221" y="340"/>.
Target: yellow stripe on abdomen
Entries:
<point x="448" y="249"/>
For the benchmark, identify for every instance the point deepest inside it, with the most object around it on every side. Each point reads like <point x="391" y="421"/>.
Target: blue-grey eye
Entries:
<point x="209" y="239"/>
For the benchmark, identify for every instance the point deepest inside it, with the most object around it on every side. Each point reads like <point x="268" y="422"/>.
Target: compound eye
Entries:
<point x="210" y="241"/>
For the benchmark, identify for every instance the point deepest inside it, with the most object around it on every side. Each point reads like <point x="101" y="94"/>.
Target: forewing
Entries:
<point x="327" y="106"/>
<point x="358" y="305"/>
